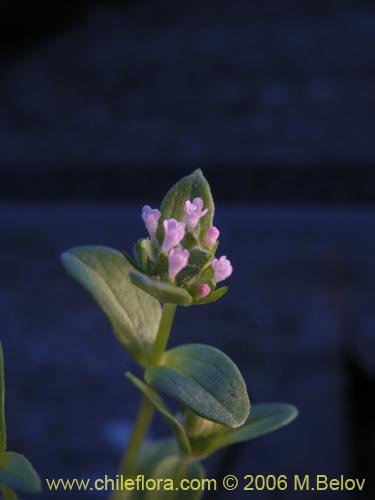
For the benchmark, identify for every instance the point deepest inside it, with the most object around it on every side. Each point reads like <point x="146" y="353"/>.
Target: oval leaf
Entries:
<point x="263" y="419"/>
<point x="17" y="473"/>
<point x="164" y="292"/>
<point x="134" y="315"/>
<point x="205" y="380"/>
<point x="188" y="188"/>
<point x="156" y="400"/>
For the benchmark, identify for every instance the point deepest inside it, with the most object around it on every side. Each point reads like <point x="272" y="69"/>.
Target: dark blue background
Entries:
<point x="103" y="105"/>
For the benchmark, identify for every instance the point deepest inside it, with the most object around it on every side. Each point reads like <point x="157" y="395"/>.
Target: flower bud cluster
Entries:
<point x="176" y="251"/>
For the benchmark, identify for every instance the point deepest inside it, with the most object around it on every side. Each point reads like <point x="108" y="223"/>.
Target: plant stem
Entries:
<point x="162" y="336"/>
<point x="146" y="408"/>
<point x="139" y="431"/>
<point x="141" y="425"/>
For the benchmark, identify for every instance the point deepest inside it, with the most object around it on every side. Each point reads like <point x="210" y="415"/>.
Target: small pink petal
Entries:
<point x="150" y="217"/>
<point x="211" y="237"/>
<point x="203" y="291"/>
<point x="193" y="212"/>
<point x="222" y="268"/>
<point x="177" y="260"/>
<point x="174" y="232"/>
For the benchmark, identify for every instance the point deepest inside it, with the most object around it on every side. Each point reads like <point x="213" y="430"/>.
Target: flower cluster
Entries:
<point x="176" y="252"/>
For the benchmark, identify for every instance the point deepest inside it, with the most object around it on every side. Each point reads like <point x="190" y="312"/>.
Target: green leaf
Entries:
<point x="263" y="419"/>
<point x="176" y="427"/>
<point x="188" y="188"/>
<point x="205" y="380"/>
<point x="133" y="314"/>
<point x="8" y="494"/>
<point x="213" y="296"/>
<point x="17" y="473"/>
<point x="160" y="459"/>
<point x="164" y="292"/>
<point x="3" y="430"/>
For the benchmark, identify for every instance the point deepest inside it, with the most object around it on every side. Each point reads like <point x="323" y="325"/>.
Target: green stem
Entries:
<point x="162" y="336"/>
<point x="146" y="408"/>
<point x="140" y="428"/>
<point x="142" y="423"/>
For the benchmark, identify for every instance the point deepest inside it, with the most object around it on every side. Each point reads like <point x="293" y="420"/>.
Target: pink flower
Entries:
<point x="222" y="268"/>
<point x="211" y="237"/>
<point x="193" y="212"/>
<point x="203" y="291"/>
<point x="177" y="259"/>
<point x="174" y="232"/>
<point x="150" y="217"/>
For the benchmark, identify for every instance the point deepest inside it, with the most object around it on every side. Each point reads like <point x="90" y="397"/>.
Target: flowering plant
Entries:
<point x="174" y="265"/>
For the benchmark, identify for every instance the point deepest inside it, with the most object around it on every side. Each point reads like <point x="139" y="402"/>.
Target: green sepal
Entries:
<point x="161" y="265"/>
<point x="188" y="188"/>
<point x="176" y="427"/>
<point x="186" y="274"/>
<point x="199" y="257"/>
<point x="207" y="274"/>
<point x="17" y="473"/>
<point x="263" y="419"/>
<point x="133" y="314"/>
<point x="163" y="292"/>
<point x="144" y="252"/>
<point x="189" y="241"/>
<point x="204" y="380"/>
<point x="213" y="296"/>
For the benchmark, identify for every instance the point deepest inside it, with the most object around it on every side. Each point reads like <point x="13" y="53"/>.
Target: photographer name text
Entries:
<point x="297" y="482"/>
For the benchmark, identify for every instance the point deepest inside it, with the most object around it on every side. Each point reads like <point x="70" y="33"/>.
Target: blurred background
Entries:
<point x="105" y="104"/>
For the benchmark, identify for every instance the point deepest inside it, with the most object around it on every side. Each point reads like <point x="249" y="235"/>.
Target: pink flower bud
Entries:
<point x="177" y="259"/>
<point x="203" y="291"/>
<point x="211" y="237"/>
<point x="222" y="268"/>
<point x="150" y="217"/>
<point x="193" y="212"/>
<point x="174" y="232"/>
